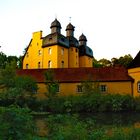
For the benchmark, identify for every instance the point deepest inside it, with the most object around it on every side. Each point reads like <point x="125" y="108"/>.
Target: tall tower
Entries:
<point x="55" y="48"/>
<point x="85" y="53"/>
<point x="73" y="54"/>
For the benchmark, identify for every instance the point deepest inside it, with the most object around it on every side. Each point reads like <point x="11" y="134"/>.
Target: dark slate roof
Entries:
<point x="55" y="39"/>
<point x="68" y="75"/>
<point x="73" y="41"/>
<point x="85" y="50"/>
<point x="135" y="62"/>
<point x="55" y="23"/>
<point x="70" y="27"/>
<point x="82" y="38"/>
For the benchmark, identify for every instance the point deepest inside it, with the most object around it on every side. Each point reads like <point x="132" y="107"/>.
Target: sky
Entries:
<point x="112" y="27"/>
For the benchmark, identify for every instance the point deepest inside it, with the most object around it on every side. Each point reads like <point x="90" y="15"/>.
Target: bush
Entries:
<point x="16" y="124"/>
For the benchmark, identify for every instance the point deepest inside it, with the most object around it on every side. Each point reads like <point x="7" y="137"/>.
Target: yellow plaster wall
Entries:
<point x="71" y="88"/>
<point x="118" y="87"/>
<point x="85" y="61"/>
<point x="32" y="56"/>
<point x="73" y="58"/>
<point x="135" y="74"/>
<point x="56" y="56"/>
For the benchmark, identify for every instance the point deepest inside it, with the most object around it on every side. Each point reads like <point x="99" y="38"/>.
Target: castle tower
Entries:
<point x="55" y="27"/>
<point x="85" y="53"/>
<point x="55" y="48"/>
<point x="73" y="55"/>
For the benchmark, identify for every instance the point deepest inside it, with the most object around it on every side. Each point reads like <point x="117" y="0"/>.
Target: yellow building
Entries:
<point x="71" y="62"/>
<point x="134" y="72"/>
<point x="56" y="50"/>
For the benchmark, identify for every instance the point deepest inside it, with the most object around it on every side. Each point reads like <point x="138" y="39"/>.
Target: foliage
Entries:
<point x="121" y="61"/>
<point x="16" y="124"/>
<point x="16" y="88"/>
<point x="72" y="127"/>
<point x="90" y="87"/>
<point x="51" y="84"/>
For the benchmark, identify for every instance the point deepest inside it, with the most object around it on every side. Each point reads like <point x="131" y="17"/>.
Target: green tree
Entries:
<point x="104" y="62"/>
<point x="16" y="124"/>
<point x="3" y="60"/>
<point x="51" y="84"/>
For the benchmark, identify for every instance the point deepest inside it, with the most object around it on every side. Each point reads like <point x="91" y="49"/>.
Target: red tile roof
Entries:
<point x="80" y="74"/>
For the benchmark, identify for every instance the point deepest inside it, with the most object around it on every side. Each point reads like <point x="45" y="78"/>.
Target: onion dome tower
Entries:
<point x="85" y="53"/>
<point x="82" y="40"/>
<point x="55" y="26"/>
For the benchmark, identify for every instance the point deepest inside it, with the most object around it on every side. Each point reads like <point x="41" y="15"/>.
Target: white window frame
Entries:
<point x="49" y="64"/>
<point x="27" y="66"/>
<point x="62" y="51"/>
<point x="103" y="88"/>
<point x="138" y="86"/>
<point x="39" y="52"/>
<point x="79" y="88"/>
<point x="49" y="51"/>
<point x="39" y="65"/>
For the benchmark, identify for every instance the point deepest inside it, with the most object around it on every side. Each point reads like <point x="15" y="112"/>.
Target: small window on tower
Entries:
<point x="27" y="54"/>
<point x="62" y="51"/>
<point x="39" y="65"/>
<point x="62" y="64"/>
<point x="49" y="64"/>
<point x="39" y="52"/>
<point x="49" y="51"/>
<point x="139" y="86"/>
<point x="27" y="66"/>
<point x="76" y="50"/>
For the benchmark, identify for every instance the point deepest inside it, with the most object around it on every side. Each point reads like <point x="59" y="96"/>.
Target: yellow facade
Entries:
<point x="55" y="57"/>
<point x="135" y="74"/>
<point x="55" y="51"/>
<point x="65" y="89"/>
<point x="85" y="61"/>
<point x="73" y="57"/>
<point x="34" y="53"/>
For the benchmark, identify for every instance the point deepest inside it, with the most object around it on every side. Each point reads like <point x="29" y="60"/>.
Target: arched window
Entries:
<point x="27" y="66"/>
<point x="62" y="64"/>
<point x="49" y="64"/>
<point x="49" y="51"/>
<point x="39" y="65"/>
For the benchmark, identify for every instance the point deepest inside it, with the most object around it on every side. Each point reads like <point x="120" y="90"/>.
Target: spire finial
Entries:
<point x="55" y="16"/>
<point x="70" y="19"/>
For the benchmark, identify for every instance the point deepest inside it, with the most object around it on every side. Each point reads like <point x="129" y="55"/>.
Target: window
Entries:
<point x="39" y="52"/>
<point x="27" y="66"/>
<point x="71" y="49"/>
<point x="57" y="88"/>
<point x="49" y="51"/>
<point x="37" y="44"/>
<point x="103" y="88"/>
<point x="49" y="64"/>
<point x="27" y="54"/>
<point x="76" y="50"/>
<point x="79" y="88"/>
<point x="139" y="86"/>
<point x="62" y="64"/>
<point x="39" y="65"/>
<point x="62" y="51"/>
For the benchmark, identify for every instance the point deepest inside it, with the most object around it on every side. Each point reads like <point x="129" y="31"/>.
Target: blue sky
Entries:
<point x="112" y="27"/>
